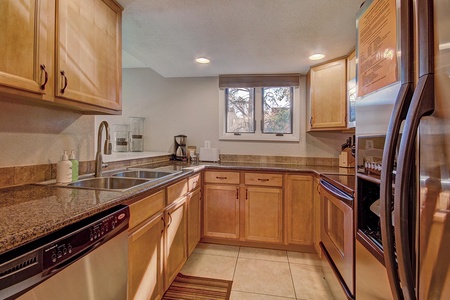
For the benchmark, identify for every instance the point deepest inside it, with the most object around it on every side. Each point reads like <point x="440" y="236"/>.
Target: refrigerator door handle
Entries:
<point x="386" y="206"/>
<point x="399" y="113"/>
<point x="422" y="104"/>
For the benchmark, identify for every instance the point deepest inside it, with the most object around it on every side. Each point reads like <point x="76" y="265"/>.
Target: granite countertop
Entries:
<point x="31" y="211"/>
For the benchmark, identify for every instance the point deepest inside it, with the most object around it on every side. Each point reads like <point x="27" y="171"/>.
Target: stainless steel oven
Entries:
<point x="337" y="233"/>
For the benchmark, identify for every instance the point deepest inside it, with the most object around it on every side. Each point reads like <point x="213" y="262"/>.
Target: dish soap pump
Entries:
<point x="74" y="165"/>
<point x="64" y="169"/>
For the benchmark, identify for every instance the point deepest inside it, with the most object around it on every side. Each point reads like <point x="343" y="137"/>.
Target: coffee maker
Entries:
<point x="180" y="151"/>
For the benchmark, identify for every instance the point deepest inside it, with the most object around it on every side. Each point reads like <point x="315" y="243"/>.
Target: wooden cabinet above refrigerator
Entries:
<point x="327" y="97"/>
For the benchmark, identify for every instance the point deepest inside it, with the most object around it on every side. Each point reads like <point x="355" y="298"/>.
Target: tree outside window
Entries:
<point x="277" y="110"/>
<point x="240" y="110"/>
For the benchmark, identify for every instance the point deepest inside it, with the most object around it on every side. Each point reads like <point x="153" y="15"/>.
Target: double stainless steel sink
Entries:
<point x="123" y="180"/>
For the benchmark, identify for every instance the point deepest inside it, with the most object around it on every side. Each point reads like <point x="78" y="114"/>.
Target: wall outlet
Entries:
<point x="207" y="144"/>
<point x="369" y="144"/>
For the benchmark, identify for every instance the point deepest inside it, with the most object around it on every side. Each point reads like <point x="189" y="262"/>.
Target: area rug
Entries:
<point x="190" y="288"/>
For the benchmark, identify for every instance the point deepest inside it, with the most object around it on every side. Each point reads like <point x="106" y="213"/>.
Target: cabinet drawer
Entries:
<point x="264" y="179"/>
<point x="222" y="177"/>
<point x="176" y="191"/>
<point x="145" y="208"/>
<point x="194" y="182"/>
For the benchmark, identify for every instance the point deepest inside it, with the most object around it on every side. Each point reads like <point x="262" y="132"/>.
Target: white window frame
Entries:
<point x="258" y="135"/>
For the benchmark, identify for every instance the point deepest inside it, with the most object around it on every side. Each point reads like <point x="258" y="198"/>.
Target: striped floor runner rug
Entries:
<point x="198" y="288"/>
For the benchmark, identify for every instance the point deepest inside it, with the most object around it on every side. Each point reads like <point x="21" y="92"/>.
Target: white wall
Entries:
<point x="189" y="106"/>
<point x="32" y="135"/>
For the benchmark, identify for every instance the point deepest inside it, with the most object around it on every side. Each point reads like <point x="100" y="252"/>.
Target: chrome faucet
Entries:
<point x="107" y="148"/>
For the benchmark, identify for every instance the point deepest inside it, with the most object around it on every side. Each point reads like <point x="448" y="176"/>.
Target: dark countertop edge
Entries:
<point x="118" y="198"/>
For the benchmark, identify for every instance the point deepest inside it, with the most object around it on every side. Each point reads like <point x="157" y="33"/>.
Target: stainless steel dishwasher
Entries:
<point x="87" y="260"/>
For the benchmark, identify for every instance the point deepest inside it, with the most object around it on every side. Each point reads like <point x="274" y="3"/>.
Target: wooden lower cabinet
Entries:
<point x="194" y="219"/>
<point x="175" y="245"/>
<point x="299" y="209"/>
<point x="144" y="260"/>
<point x="263" y="214"/>
<point x="221" y="211"/>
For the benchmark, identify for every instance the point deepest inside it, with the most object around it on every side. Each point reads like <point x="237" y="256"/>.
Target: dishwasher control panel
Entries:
<point x="70" y="247"/>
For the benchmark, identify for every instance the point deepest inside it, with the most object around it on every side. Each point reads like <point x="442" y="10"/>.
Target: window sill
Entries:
<point x="263" y="138"/>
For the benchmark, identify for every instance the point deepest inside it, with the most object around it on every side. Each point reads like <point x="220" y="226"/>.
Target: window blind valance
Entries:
<point x="243" y="81"/>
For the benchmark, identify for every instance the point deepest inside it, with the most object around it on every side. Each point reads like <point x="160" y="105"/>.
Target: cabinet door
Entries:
<point x="144" y="260"/>
<point x="299" y="209"/>
<point x="194" y="220"/>
<point x="328" y="89"/>
<point x="263" y="214"/>
<point x="175" y="241"/>
<point x="88" y="53"/>
<point x="221" y="211"/>
<point x="26" y="39"/>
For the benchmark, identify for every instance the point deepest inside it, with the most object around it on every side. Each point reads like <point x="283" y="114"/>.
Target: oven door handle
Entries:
<point x="335" y="191"/>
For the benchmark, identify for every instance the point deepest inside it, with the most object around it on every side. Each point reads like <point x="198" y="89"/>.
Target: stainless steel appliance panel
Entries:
<point x="434" y="167"/>
<point x="100" y="275"/>
<point x="371" y="276"/>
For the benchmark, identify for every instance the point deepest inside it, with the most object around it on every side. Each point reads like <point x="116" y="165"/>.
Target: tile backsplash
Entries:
<point x="20" y="175"/>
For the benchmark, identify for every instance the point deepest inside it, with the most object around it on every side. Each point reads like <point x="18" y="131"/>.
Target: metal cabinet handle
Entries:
<point x="164" y="222"/>
<point x="45" y="77"/>
<point x="170" y="219"/>
<point x="310" y="121"/>
<point x="63" y="74"/>
<point x="263" y="179"/>
<point x="221" y="177"/>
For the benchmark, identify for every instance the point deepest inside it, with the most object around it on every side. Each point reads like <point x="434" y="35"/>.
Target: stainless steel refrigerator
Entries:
<point x="403" y="194"/>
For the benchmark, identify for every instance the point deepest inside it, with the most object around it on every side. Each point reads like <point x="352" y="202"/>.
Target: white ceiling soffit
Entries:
<point x="238" y="36"/>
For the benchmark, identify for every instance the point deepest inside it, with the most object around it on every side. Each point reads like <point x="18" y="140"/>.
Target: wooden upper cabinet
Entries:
<point x="40" y="39"/>
<point x="88" y="53"/>
<point x="26" y="43"/>
<point x="327" y="96"/>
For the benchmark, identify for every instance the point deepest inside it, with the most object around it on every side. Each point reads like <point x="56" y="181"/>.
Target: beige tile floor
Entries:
<point x="260" y="273"/>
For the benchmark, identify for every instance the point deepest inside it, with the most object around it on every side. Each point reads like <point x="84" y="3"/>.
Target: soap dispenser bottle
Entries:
<point x="64" y="169"/>
<point x="74" y="165"/>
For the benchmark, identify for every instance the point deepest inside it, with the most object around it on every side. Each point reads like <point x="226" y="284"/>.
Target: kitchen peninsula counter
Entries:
<point x="32" y="211"/>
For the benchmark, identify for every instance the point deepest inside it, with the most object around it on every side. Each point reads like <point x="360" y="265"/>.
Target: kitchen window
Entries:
<point x="266" y="112"/>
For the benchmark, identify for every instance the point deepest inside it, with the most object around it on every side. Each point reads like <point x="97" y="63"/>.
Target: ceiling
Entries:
<point x="238" y="36"/>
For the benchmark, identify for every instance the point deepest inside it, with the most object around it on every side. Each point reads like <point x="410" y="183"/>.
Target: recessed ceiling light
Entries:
<point x="316" y="56"/>
<point x="202" y="60"/>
